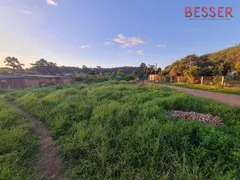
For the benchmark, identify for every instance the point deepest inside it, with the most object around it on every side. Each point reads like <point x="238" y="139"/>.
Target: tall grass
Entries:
<point x="213" y="88"/>
<point x="115" y="130"/>
<point x="18" y="146"/>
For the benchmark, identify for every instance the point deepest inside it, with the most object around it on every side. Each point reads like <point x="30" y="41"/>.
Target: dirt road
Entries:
<point x="220" y="97"/>
<point x="50" y="164"/>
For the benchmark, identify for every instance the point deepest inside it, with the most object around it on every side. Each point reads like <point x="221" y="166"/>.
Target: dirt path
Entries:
<point x="50" y="163"/>
<point x="220" y="97"/>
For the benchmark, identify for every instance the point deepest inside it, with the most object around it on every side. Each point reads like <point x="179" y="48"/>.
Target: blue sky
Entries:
<point x="111" y="33"/>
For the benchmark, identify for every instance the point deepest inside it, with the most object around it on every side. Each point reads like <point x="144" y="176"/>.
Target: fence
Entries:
<point x="203" y="80"/>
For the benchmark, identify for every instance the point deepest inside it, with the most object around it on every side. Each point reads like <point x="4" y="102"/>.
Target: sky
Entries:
<point x="111" y="33"/>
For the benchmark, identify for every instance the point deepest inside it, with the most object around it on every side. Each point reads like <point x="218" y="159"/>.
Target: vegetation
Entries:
<point x="96" y="78"/>
<point x="43" y="67"/>
<point x="84" y="74"/>
<point x="115" y="130"/>
<point x="192" y="72"/>
<point x="218" y="63"/>
<point x="5" y="70"/>
<point x="144" y="71"/>
<point x="14" y="64"/>
<point x="237" y="66"/>
<point x="18" y="146"/>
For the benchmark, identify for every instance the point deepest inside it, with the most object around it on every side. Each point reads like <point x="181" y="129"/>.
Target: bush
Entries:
<point x="217" y="80"/>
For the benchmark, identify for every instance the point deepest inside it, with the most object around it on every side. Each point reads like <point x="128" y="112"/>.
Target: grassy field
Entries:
<point x="213" y="88"/>
<point x="116" y="130"/>
<point x="19" y="148"/>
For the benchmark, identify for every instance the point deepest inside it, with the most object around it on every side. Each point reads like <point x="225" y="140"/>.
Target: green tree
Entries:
<point x="14" y="64"/>
<point x="121" y="73"/>
<point x="237" y="66"/>
<point x="191" y="73"/>
<point x="44" y="67"/>
<point x="206" y="71"/>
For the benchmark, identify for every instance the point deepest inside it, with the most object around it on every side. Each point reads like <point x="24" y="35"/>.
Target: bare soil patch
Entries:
<point x="50" y="162"/>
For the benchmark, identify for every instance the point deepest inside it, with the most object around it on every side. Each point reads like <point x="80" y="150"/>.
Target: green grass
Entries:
<point x="116" y="130"/>
<point x="19" y="148"/>
<point x="213" y="88"/>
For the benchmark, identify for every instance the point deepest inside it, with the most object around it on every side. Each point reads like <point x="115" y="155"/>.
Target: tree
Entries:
<point x="85" y="69"/>
<point x="191" y="73"/>
<point x="206" y="71"/>
<point x="223" y="67"/>
<point x="143" y="71"/>
<point x="151" y="69"/>
<point x="237" y="66"/>
<point x="134" y="74"/>
<point x="121" y="73"/>
<point x="4" y="71"/>
<point x="164" y="72"/>
<point x="43" y="67"/>
<point x="13" y="63"/>
<point x="99" y="67"/>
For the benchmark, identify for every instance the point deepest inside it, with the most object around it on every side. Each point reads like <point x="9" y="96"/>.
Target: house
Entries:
<point x="26" y="81"/>
<point x="153" y="77"/>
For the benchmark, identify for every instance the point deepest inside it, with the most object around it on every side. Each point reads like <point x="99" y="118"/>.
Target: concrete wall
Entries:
<point x="18" y="83"/>
<point x="32" y="82"/>
<point x="67" y="81"/>
<point x="12" y="83"/>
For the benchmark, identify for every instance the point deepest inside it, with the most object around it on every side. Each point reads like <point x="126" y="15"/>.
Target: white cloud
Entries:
<point x="24" y="11"/>
<point x="84" y="46"/>
<point x="140" y="52"/>
<point x="128" y="42"/>
<point x="136" y="40"/>
<point x="107" y="43"/>
<point x="161" y="45"/>
<point x="120" y="39"/>
<point x="51" y="2"/>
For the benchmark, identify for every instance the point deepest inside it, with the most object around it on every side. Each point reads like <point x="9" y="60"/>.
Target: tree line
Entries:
<point x="45" y="67"/>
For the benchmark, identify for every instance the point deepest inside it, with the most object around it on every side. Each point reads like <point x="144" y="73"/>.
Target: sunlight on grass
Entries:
<point x="116" y="130"/>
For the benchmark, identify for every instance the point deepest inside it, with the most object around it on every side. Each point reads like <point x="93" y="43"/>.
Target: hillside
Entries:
<point x="216" y="63"/>
<point x="232" y="54"/>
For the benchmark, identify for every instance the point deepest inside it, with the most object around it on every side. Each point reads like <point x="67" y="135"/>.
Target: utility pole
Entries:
<point x="156" y="69"/>
<point x="155" y="72"/>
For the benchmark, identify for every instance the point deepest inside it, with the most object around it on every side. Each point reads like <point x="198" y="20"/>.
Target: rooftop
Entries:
<point x="19" y="76"/>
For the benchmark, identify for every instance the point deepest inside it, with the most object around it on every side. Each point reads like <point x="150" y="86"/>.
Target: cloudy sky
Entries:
<point x="111" y="32"/>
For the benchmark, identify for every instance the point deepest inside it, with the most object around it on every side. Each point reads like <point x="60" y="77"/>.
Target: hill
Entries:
<point x="217" y="63"/>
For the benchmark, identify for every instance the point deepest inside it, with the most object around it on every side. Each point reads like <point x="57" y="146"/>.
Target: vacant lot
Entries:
<point x="116" y="130"/>
<point x="19" y="148"/>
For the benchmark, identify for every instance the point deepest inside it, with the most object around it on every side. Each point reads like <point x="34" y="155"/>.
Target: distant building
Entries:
<point x="27" y="81"/>
<point x="153" y="77"/>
